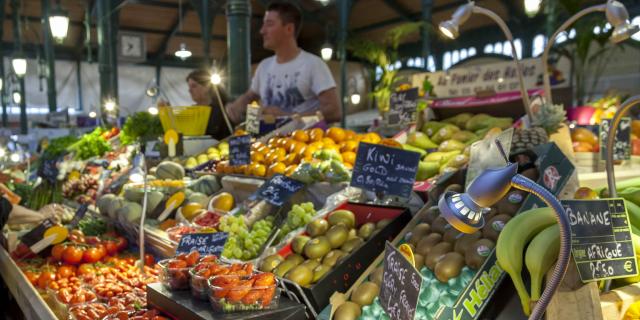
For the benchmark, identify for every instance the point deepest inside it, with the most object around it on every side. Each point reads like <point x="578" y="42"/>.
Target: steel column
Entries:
<point x="49" y="56"/>
<point x="206" y="15"/>
<point x="107" y="20"/>
<point x="238" y="46"/>
<point x="344" y="8"/>
<point x="17" y="38"/>
<point x="3" y="75"/>
<point x="425" y="37"/>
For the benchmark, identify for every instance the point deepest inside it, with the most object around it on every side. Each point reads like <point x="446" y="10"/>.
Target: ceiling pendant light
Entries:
<point x="59" y="23"/>
<point x="326" y="52"/>
<point x="183" y="53"/>
<point x="19" y="64"/>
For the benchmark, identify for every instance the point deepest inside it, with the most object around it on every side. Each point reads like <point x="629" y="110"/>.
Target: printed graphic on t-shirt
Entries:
<point x="283" y="91"/>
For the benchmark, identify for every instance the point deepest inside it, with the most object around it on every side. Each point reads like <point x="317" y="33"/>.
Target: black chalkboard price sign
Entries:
<point x="204" y="243"/>
<point x="240" y="150"/>
<point x="401" y="286"/>
<point x="601" y="239"/>
<point x="278" y="190"/>
<point x="404" y="104"/>
<point x="383" y="169"/>
<point x="49" y="170"/>
<point x="622" y="144"/>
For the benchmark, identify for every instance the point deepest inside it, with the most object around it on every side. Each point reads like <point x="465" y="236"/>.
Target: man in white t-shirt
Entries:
<point x="292" y="81"/>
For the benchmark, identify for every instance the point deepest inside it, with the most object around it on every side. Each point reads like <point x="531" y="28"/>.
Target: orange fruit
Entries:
<point x="239" y="132"/>
<point x="281" y="152"/>
<point x="288" y="143"/>
<point x="297" y="147"/>
<point x="372" y="137"/>
<point x="316" y="134"/>
<point x="291" y="158"/>
<point x="257" y="145"/>
<point x="240" y="169"/>
<point x="272" y="141"/>
<point x="221" y="167"/>
<point x="300" y="135"/>
<point x="336" y="134"/>
<point x="247" y="170"/>
<point x="349" y="145"/>
<point x="332" y="147"/>
<point x="348" y="165"/>
<point x="328" y="141"/>
<point x="263" y="149"/>
<point x="317" y="144"/>
<point x="309" y="150"/>
<point x="349" y="134"/>
<point x="258" y="170"/>
<point x="391" y="143"/>
<point x="257" y="157"/>
<point x="349" y="157"/>
<point x="290" y="169"/>
<point x="276" y="168"/>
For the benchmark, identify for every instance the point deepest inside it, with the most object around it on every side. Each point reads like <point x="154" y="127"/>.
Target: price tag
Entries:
<point x="401" y="286"/>
<point x="253" y="119"/>
<point x="622" y="145"/>
<point x="172" y="203"/>
<point x="240" y="150"/>
<point x="36" y="234"/>
<point x="601" y="239"/>
<point x="171" y="140"/>
<point x="204" y="243"/>
<point x="49" y="170"/>
<point x="404" y="103"/>
<point x="152" y="149"/>
<point x="385" y="169"/>
<point x="82" y="210"/>
<point x="278" y="190"/>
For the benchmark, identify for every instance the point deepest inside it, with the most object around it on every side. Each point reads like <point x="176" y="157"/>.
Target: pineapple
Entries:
<point x="546" y="121"/>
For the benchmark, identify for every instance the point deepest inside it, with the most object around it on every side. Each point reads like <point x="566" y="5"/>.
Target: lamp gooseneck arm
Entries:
<point x="611" y="139"/>
<point x="144" y="214"/>
<point x="551" y="41"/>
<point x="525" y="184"/>
<point x="516" y="59"/>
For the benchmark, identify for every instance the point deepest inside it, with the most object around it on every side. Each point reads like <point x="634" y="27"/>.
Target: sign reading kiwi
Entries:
<point x="601" y="241"/>
<point x="622" y="144"/>
<point x="240" y="150"/>
<point x="383" y="169"/>
<point x="403" y="103"/>
<point x="278" y="190"/>
<point x="401" y="286"/>
<point x="204" y="243"/>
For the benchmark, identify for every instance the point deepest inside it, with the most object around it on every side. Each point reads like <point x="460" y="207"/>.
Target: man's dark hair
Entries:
<point x="289" y="13"/>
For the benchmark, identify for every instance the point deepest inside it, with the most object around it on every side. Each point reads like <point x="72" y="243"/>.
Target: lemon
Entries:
<point x="191" y="210"/>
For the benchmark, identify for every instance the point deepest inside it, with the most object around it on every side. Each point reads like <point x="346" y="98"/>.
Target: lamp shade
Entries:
<point x="326" y="52"/>
<point x="183" y="53"/>
<point x="19" y="64"/>
<point x="618" y="16"/>
<point x="59" y="24"/>
<point x="449" y="28"/>
<point x="16" y="97"/>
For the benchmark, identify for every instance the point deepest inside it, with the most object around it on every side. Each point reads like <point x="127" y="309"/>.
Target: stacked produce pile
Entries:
<point x="585" y="140"/>
<point x="213" y="153"/>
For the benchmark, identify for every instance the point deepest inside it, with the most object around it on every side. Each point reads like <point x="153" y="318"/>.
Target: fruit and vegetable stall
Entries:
<point x="315" y="222"/>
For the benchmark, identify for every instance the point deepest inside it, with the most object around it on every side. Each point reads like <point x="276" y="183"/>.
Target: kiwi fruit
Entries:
<point x="478" y="252"/>
<point x="317" y="247"/>
<point x="511" y="202"/>
<point x="494" y="226"/>
<point x="310" y="263"/>
<point x="376" y="275"/>
<point x="296" y="258"/>
<point x="332" y="257"/>
<point x="337" y="235"/>
<point x="449" y="266"/>
<point x="452" y="235"/>
<point x="454" y="187"/>
<point x="419" y="259"/>
<point x="366" y="230"/>
<point x="344" y="217"/>
<point x="284" y="267"/>
<point x="351" y="244"/>
<point x="418" y="232"/>
<point x="271" y="262"/>
<point x="440" y="225"/>
<point x="436" y="253"/>
<point x="319" y="272"/>
<point x="297" y="245"/>
<point x="382" y="223"/>
<point x="300" y="274"/>
<point x="431" y="214"/>
<point x="365" y="293"/>
<point x="352" y="234"/>
<point x="347" y="311"/>
<point x="425" y="245"/>
<point x="465" y="241"/>
<point x="317" y="227"/>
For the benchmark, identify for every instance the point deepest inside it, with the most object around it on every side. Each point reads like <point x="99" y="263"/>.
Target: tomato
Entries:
<point x="92" y="240"/>
<point x="111" y="247"/>
<point x="121" y="243"/>
<point x="92" y="255"/>
<point x="72" y="255"/>
<point x="192" y="258"/>
<point x="176" y="264"/>
<point x="85" y="269"/>
<point x="44" y="279"/>
<point x="32" y="276"/>
<point x="149" y="260"/>
<point x="56" y="252"/>
<point x="66" y="271"/>
<point x="102" y="249"/>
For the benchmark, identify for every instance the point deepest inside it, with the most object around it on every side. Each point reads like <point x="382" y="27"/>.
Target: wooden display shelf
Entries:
<point x="31" y="303"/>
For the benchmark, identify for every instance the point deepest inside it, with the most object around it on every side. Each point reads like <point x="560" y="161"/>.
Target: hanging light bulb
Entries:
<point x="109" y="105"/>
<point x="59" y="23"/>
<point x="153" y="110"/>
<point x="326" y="52"/>
<point x="355" y="98"/>
<point x="92" y="114"/>
<point x="19" y="64"/>
<point x="532" y="7"/>
<point x="216" y="79"/>
<point x="183" y="53"/>
<point x="16" y="96"/>
<point x="15" y="157"/>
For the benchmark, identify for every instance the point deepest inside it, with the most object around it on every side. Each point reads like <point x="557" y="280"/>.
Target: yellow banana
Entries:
<point x="541" y="254"/>
<point x="512" y="240"/>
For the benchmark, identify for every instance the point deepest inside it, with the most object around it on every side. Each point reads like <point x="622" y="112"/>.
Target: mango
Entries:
<point x="451" y="145"/>
<point x="420" y="140"/>
<point x="409" y="147"/>
<point x="427" y="169"/>
<point x="464" y="136"/>
<point x="445" y="133"/>
<point x="459" y="120"/>
<point x="431" y="127"/>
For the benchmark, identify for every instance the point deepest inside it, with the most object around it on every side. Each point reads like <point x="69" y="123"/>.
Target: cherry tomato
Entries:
<point x="56" y="252"/>
<point x="85" y="269"/>
<point x="92" y="255"/>
<point x="66" y="271"/>
<point x="149" y="260"/>
<point x="102" y="249"/>
<point x="32" y="276"/>
<point x="44" y="279"/>
<point x="72" y="255"/>
<point x="111" y="247"/>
